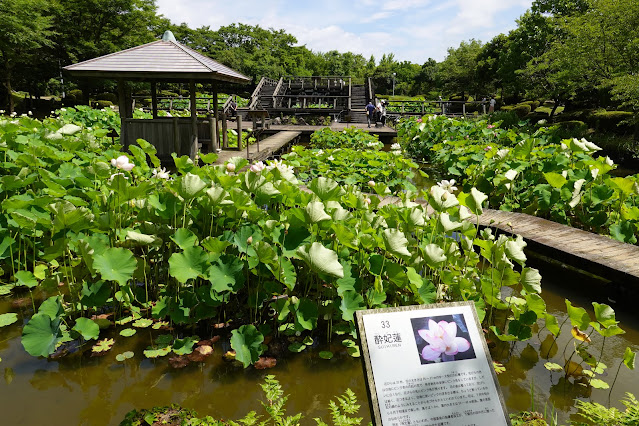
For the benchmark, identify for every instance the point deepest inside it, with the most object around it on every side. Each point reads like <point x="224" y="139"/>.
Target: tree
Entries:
<point x="25" y="26"/>
<point x="458" y="72"/>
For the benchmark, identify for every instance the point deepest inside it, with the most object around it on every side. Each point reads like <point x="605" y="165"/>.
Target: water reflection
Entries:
<point x="99" y="391"/>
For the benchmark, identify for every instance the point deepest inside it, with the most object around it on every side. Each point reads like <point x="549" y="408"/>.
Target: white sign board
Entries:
<point x="429" y="366"/>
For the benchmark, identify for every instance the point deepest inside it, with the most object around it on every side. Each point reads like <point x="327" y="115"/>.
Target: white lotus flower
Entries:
<point x="396" y="147"/>
<point x="230" y="167"/>
<point x="565" y="174"/>
<point x="594" y="172"/>
<point x="30" y="113"/>
<point x="320" y="152"/>
<point x="447" y="185"/>
<point x="511" y="174"/>
<point x="609" y="161"/>
<point x="257" y="167"/>
<point x="585" y="145"/>
<point x="161" y="173"/>
<point x="122" y="163"/>
<point x="371" y="183"/>
<point x="330" y="158"/>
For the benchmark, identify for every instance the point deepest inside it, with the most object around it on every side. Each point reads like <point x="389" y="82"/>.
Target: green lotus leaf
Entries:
<point x="190" y="186"/>
<point x="128" y="332"/>
<point x="351" y="302"/>
<point x="115" y="264"/>
<point x="189" y="264"/>
<point x="623" y="231"/>
<point x="41" y="335"/>
<point x="87" y="328"/>
<point x="447" y="224"/>
<point x="306" y="314"/>
<point x="321" y="259"/>
<point x="629" y="358"/>
<point x="26" y="279"/>
<point x="474" y="201"/>
<point x="155" y="353"/>
<point x="531" y="280"/>
<point x="434" y="255"/>
<point x="326" y="354"/>
<point x="578" y="316"/>
<point x="247" y="343"/>
<point x="184" y="238"/>
<point x="226" y="274"/>
<point x="124" y="356"/>
<point x="316" y="213"/>
<point x="184" y="346"/>
<point x="598" y="384"/>
<point x="326" y="189"/>
<point x="142" y="239"/>
<point x="551" y="366"/>
<point x="8" y="319"/>
<point x="555" y="180"/>
<point x="95" y="294"/>
<point x="515" y="250"/>
<point x="142" y="323"/>
<point x="52" y="307"/>
<point x="296" y="347"/>
<point x="395" y="242"/>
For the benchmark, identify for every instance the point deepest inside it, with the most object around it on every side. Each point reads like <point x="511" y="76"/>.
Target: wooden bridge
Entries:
<point x="263" y="149"/>
<point x="597" y="254"/>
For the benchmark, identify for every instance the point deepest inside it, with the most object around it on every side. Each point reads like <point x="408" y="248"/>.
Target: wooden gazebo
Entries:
<point x="163" y="60"/>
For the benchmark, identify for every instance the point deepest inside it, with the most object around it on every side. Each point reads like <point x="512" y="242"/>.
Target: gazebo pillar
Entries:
<point x="194" y="135"/>
<point x="122" y="107"/>
<point x="154" y="98"/>
<point x="215" y="138"/>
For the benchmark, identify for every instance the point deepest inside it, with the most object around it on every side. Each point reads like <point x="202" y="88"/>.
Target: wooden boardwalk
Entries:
<point x="598" y="254"/>
<point x="381" y="131"/>
<point x="267" y="147"/>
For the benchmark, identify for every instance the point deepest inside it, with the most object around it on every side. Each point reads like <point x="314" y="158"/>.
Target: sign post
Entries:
<point x="429" y="366"/>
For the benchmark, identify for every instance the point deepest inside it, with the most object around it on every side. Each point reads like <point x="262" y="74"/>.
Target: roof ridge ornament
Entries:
<point x="168" y="36"/>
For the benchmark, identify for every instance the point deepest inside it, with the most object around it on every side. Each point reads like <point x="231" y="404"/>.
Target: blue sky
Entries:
<point x="413" y="30"/>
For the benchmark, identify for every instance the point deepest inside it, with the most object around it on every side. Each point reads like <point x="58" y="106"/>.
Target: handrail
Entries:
<point x="370" y="89"/>
<point x="350" y="93"/>
<point x="277" y="89"/>
<point x="255" y="95"/>
<point x="227" y="104"/>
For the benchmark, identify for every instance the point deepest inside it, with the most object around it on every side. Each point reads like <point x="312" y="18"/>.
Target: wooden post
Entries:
<point x="122" y="110"/>
<point x="225" y="136"/>
<point x="215" y="139"/>
<point x="239" y="136"/>
<point x="194" y="135"/>
<point x="464" y="108"/>
<point x="154" y="98"/>
<point x="212" y="127"/>
<point x="177" y="147"/>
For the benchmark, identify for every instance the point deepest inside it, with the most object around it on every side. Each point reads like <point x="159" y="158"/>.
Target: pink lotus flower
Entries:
<point x="442" y="339"/>
<point x="491" y="126"/>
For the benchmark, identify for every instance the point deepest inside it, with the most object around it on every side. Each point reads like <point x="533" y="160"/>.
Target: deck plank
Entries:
<point x="267" y="147"/>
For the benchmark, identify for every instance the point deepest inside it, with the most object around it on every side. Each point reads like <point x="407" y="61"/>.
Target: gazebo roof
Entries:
<point x="164" y="59"/>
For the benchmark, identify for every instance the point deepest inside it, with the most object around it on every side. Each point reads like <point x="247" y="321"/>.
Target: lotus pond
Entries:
<point x="126" y="284"/>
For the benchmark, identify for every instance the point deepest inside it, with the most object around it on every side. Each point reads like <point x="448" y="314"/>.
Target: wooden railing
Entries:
<point x="255" y="97"/>
<point x="305" y="101"/>
<point x="424" y="107"/>
<point x="369" y="87"/>
<point x="314" y="82"/>
<point x="350" y="93"/>
<point x="276" y="91"/>
<point x="176" y="100"/>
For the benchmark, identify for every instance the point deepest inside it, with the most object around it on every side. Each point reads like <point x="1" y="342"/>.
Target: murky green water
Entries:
<point x="80" y="390"/>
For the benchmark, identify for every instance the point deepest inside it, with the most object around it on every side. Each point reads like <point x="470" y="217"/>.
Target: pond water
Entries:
<point x="81" y="390"/>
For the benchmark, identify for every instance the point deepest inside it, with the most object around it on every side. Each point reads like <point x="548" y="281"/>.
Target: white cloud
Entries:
<point x="413" y="30"/>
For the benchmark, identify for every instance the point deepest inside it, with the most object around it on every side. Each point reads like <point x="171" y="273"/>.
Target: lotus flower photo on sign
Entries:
<point x="429" y="365"/>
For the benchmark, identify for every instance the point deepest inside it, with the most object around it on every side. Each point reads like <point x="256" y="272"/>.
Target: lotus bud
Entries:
<point x="249" y="240"/>
<point x="230" y="167"/>
<point x="367" y="201"/>
<point x="371" y="183"/>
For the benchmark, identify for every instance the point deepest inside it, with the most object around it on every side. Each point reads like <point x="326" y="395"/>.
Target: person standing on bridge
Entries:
<point x="370" y="112"/>
<point x="491" y="107"/>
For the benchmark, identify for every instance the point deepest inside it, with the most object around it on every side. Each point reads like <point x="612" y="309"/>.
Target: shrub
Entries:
<point x="107" y="97"/>
<point x="507" y="118"/>
<point x="611" y="121"/>
<point x="568" y="130"/>
<point x="103" y="104"/>
<point x="350" y="137"/>
<point x="75" y="95"/>
<point x="522" y="110"/>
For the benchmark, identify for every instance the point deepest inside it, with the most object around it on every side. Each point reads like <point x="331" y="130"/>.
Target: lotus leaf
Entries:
<point x="115" y="264"/>
<point x="87" y="328"/>
<point x="26" y="279"/>
<point x="8" y="319"/>
<point x="190" y="264"/>
<point x="124" y="356"/>
<point x="190" y="186"/>
<point x="41" y="335"/>
<point x="128" y="332"/>
<point x="103" y="345"/>
<point x="247" y="343"/>
<point x="321" y="259"/>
